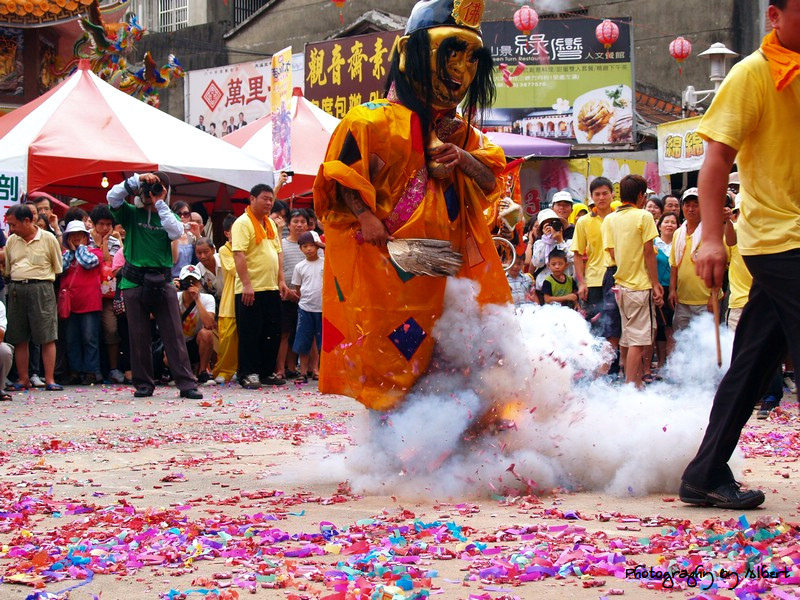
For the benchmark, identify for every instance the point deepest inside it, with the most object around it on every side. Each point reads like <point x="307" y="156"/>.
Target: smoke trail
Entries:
<point x="513" y="405"/>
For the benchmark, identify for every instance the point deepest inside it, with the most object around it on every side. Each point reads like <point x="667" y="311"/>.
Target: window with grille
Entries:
<point x="173" y="14"/>
<point x="243" y="9"/>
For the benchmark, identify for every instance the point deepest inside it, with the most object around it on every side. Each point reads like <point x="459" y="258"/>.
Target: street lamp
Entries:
<point x="717" y="55"/>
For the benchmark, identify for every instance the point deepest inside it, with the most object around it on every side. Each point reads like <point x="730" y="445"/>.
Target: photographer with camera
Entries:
<point x="552" y="228"/>
<point x="150" y="226"/>
<point x="197" y="320"/>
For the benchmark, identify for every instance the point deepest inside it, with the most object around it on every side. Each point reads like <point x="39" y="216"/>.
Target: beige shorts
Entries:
<point x="638" y="316"/>
<point x="734" y="314"/>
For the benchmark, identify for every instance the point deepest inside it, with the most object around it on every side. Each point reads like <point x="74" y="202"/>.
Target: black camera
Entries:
<point x="289" y="173"/>
<point x="187" y="282"/>
<point x="151" y="189"/>
<point x="556" y="225"/>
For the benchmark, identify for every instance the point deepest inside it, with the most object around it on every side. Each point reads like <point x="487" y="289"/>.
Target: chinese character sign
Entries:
<point x="281" y="114"/>
<point x="560" y="82"/>
<point x="680" y="147"/>
<point x="223" y="99"/>
<point x="12" y="184"/>
<point x="347" y="72"/>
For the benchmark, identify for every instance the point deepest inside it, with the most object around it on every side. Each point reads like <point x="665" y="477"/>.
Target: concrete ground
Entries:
<point x="159" y="497"/>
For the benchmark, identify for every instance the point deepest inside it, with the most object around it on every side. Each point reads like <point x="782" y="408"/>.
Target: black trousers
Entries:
<point x="168" y="319"/>
<point x="770" y="321"/>
<point x="259" y="327"/>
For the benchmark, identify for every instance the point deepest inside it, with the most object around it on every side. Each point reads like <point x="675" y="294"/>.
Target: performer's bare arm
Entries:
<point x="451" y="155"/>
<point x="372" y="228"/>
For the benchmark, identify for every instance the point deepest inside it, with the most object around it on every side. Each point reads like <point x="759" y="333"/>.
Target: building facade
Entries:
<point x="262" y="27"/>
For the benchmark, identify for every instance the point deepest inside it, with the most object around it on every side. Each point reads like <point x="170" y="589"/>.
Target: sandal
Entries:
<point x="5" y="397"/>
<point x="54" y="387"/>
<point x="301" y="380"/>
<point x="17" y="387"/>
<point x="647" y="378"/>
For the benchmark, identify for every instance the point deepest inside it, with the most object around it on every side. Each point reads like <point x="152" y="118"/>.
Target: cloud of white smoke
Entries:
<point x="514" y="404"/>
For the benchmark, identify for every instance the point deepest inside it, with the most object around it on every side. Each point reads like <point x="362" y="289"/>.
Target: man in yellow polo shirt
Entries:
<point x="628" y="237"/>
<point x="689" y="296"/>
<point x="756" y="115"/>
<point x="260" y="285"/>
<point x="588" y="250"/>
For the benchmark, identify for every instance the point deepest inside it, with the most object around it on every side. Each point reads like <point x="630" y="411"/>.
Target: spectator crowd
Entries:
<point x="250" y="310"/>
<point x="137" y="292"/>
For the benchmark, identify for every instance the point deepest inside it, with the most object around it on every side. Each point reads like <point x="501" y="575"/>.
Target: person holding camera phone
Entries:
<point x="150" y="226"/>
<point x="552" y="228"/>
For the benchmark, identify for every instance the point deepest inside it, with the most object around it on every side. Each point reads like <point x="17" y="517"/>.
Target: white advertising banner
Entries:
<point x="223" y="99"/>
<point x="680" y="148"/>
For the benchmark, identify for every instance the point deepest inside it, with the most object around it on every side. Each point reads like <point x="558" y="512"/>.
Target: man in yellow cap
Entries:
<point x="408" y="166"/>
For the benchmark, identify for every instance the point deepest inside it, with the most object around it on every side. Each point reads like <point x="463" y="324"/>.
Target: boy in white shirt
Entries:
<point x="307" y="281"/>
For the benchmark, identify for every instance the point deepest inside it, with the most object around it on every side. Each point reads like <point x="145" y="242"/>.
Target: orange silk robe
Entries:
<point x="377" y="320"/>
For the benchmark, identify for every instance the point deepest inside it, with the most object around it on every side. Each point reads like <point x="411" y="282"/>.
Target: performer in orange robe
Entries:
<point x="407" y="167"/>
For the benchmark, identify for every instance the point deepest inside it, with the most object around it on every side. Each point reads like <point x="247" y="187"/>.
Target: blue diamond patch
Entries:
<point x="408" y="337"/>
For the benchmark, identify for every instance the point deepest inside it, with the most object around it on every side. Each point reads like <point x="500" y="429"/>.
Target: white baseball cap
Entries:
<point x="562" y="197"/>
<point x="76" y="226"/>
<point x="737" y="203"/>
<point x="547" y="214"/>
<point x="190" y="271"/>
<point x="691" y="192"/>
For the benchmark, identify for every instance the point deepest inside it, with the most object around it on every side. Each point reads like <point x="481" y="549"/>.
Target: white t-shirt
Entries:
<point x="3" y="318"/>
<point x="308" y="275"/>
<point x="212" y="282"/>
<point x="192" y="324"/>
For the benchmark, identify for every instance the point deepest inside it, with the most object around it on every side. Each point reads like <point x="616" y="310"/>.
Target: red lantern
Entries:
<point x="607" y="33"/>
<point x="526" y="19"/>
<point x="340" y="4"/>
<point x="680" y="49"/>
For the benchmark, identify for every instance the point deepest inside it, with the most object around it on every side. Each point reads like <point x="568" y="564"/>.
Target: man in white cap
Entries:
<point x="562" y="205"/>
<point x="689" y="297"/>
<point x="197" y="320"/>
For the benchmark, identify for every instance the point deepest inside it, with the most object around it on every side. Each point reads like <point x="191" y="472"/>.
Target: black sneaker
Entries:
<point x="191" y="394"/>
<point x="143" y="391"/>
<point x="204" y="376"/>
<point x="251" y="382"/>
<point x="728" y="495"/>
<point x="273" y="380"/>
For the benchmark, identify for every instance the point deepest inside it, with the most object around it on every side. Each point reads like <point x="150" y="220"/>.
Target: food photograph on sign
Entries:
<point x="558" y="81"/>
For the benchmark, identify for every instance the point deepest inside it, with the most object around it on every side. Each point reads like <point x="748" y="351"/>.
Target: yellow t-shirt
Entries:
<point x="626" y="233"/>
<point x="607" y="260"/>
<point x="691" y="289"/>
<point x="227" y="305"/>
<point x="751" y="116"/>
<point x="588" y="240"/>
<point x="262" y="259"/>
<point x="739" y="277"/>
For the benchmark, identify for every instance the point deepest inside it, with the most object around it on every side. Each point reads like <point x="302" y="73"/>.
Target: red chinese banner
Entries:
<point x="347" y="72"/>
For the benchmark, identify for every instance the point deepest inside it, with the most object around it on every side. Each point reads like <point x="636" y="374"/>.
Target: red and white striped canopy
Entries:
<point x="64" y="141"/>
<point x="311" y="131"/>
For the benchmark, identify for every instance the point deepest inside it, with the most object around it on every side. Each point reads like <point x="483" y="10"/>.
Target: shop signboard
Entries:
<point x="559" y="82"/>
<point x="220" y="100"/>
<point x="680" y="147"/>
<point x="347" y="72"/>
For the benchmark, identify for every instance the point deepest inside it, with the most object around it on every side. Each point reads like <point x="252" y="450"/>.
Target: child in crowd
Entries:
<point x="558" y="287"/>
<point x="521" y="284"/>
<point x="307" y="281"/>
<point x="552" y="230"/>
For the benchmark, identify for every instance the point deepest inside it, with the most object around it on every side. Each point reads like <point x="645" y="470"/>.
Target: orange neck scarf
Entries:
<point x="262" y="228"/>
<point x="783" y="63"/>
